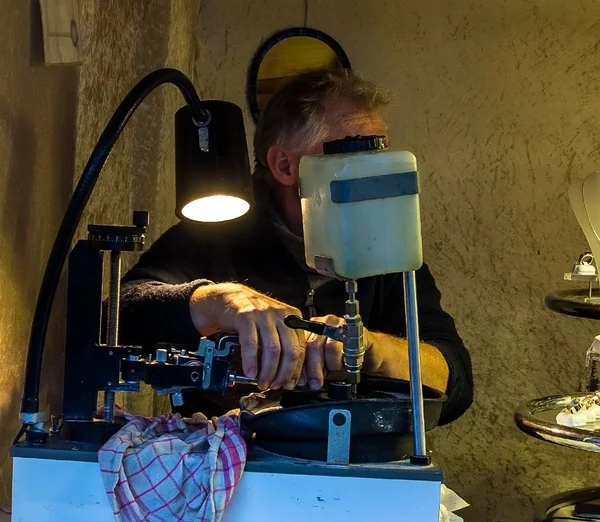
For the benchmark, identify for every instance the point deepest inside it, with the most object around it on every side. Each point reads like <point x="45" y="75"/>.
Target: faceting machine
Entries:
<point x="355" y="449"/>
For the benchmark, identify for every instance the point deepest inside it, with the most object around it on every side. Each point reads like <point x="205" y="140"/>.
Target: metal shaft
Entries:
<point x="245" y="380"/>
<point x="414" y="363"/>
<point x="354" y="350"/>
<point x="114" y="298"/>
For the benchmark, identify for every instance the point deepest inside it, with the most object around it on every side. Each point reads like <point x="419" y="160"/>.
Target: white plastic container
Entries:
<point x="374" y="227"/>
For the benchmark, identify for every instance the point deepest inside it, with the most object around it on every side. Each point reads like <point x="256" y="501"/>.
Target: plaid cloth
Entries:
<point x="162" y="469"/>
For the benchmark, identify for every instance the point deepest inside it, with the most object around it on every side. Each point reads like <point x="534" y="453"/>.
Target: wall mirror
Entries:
<point x="286" y="53"/>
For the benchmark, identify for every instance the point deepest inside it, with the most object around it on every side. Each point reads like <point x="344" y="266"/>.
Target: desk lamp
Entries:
<point x="213" y="184"/>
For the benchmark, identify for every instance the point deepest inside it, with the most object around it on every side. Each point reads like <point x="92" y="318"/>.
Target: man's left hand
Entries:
<point x="385" y="356"/>
<point x="324" y="356"/>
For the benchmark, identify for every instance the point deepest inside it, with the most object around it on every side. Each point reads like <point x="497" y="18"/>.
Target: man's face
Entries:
<point x="343" y="118"/>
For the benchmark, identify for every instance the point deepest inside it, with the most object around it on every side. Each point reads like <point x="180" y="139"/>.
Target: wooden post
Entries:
<point x="60" y="25"/>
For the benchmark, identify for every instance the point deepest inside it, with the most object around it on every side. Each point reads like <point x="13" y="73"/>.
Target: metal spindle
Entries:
<point x="414" y="361"/>
<point x="113" y="322"/>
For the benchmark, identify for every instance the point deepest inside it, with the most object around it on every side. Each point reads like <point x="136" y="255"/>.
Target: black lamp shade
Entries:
<point x="213" y="185"/>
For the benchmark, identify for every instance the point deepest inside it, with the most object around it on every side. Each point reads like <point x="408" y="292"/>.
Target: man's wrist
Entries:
<point x="203" y="303"/>
<point x="374" y="363"/>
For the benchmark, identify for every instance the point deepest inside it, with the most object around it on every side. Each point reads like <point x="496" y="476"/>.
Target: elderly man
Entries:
<point x="247" y="275"/>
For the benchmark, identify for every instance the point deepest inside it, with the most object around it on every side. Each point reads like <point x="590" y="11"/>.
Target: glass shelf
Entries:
<point x="576" y="303"/>
<point x="538" y="419"/>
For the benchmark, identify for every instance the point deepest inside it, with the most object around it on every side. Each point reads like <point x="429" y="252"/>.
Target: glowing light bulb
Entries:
<point x="212" y="209"/>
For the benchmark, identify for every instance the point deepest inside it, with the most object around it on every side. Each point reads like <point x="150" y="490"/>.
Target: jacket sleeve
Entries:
<point x="436" y="327"/>
<point x="155" y="293"/>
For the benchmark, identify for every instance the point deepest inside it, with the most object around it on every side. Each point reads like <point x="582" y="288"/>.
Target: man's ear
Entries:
<point x="284" y="165"/>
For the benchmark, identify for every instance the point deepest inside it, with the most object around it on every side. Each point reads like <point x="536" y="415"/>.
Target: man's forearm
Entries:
<point x="387" y="356"/>
<point x="152" y="311"/>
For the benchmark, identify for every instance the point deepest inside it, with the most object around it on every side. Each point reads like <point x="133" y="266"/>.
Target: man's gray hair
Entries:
<point x="294" y="117"/>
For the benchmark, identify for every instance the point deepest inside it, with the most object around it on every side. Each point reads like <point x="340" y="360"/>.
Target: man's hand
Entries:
<point x="258" y="320"/>
<point x="324" y="356"/>
<point x="385" y="356"/>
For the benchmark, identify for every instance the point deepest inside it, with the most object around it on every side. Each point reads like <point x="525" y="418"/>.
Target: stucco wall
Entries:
<point x="122" y="42"/>
<point x="49" y="123"/>
<point x="37" y="120"/>
<point x="498" y="102"/>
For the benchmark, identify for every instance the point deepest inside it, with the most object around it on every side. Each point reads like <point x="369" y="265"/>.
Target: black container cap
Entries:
<point x="355" y="144"/>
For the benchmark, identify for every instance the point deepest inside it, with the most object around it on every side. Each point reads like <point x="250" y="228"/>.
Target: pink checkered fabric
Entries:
<point x="161" y="469"/>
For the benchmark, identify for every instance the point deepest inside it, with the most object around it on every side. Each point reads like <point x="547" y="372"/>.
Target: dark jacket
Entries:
<point x="156" y="291"/>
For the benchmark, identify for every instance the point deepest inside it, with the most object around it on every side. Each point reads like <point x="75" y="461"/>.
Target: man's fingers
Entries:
<point x="292" y="358"/>
<point x="271" y="352"/>
<point x="299" y="369"/>
<point x="303" y="378"/>
<point x="331" y="320"/>
<point x="315" y="359"/>
<point x="249" y="346"/>
<point x="337" y="376"/>
<point x="333" y="355"/>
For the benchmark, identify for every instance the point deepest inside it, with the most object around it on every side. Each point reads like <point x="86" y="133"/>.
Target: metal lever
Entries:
<point x="243" y="379"/>
<point x="297" y="323"/>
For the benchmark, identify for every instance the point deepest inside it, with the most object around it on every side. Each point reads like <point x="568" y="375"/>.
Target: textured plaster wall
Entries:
<point x="37" y="131"/>
<point x="49" y="123"/>
<point x="122" y="42"/>
<point x="498" y="100"/>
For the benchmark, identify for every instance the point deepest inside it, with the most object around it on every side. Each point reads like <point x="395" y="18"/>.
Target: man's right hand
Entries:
<point x="258" y="320"/>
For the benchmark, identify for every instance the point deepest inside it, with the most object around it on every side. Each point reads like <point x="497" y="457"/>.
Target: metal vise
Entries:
<point x="93" y="366"/>
<point x="174" y="368"/>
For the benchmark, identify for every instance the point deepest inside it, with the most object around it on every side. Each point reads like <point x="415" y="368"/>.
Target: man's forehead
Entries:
<point x="342" y="114"/>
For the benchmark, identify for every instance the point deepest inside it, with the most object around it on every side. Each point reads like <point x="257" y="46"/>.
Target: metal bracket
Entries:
<point x="208" y="349"/>
<point x="338" y="437"/>
<point x="203" y="139"/>
<point x="33" y="418"/>
<point x="124" y="387"/>
<point x="206" y="369"/>
<point x="220" y="349"/>
<point x="572" y="276"/>
<point x="593" y="352"/>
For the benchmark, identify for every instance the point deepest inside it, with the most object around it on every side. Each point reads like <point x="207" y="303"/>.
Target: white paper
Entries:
<point x="449" y="503"/>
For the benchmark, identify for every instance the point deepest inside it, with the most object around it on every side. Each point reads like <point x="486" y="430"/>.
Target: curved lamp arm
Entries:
<point x="71" y="219"/>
